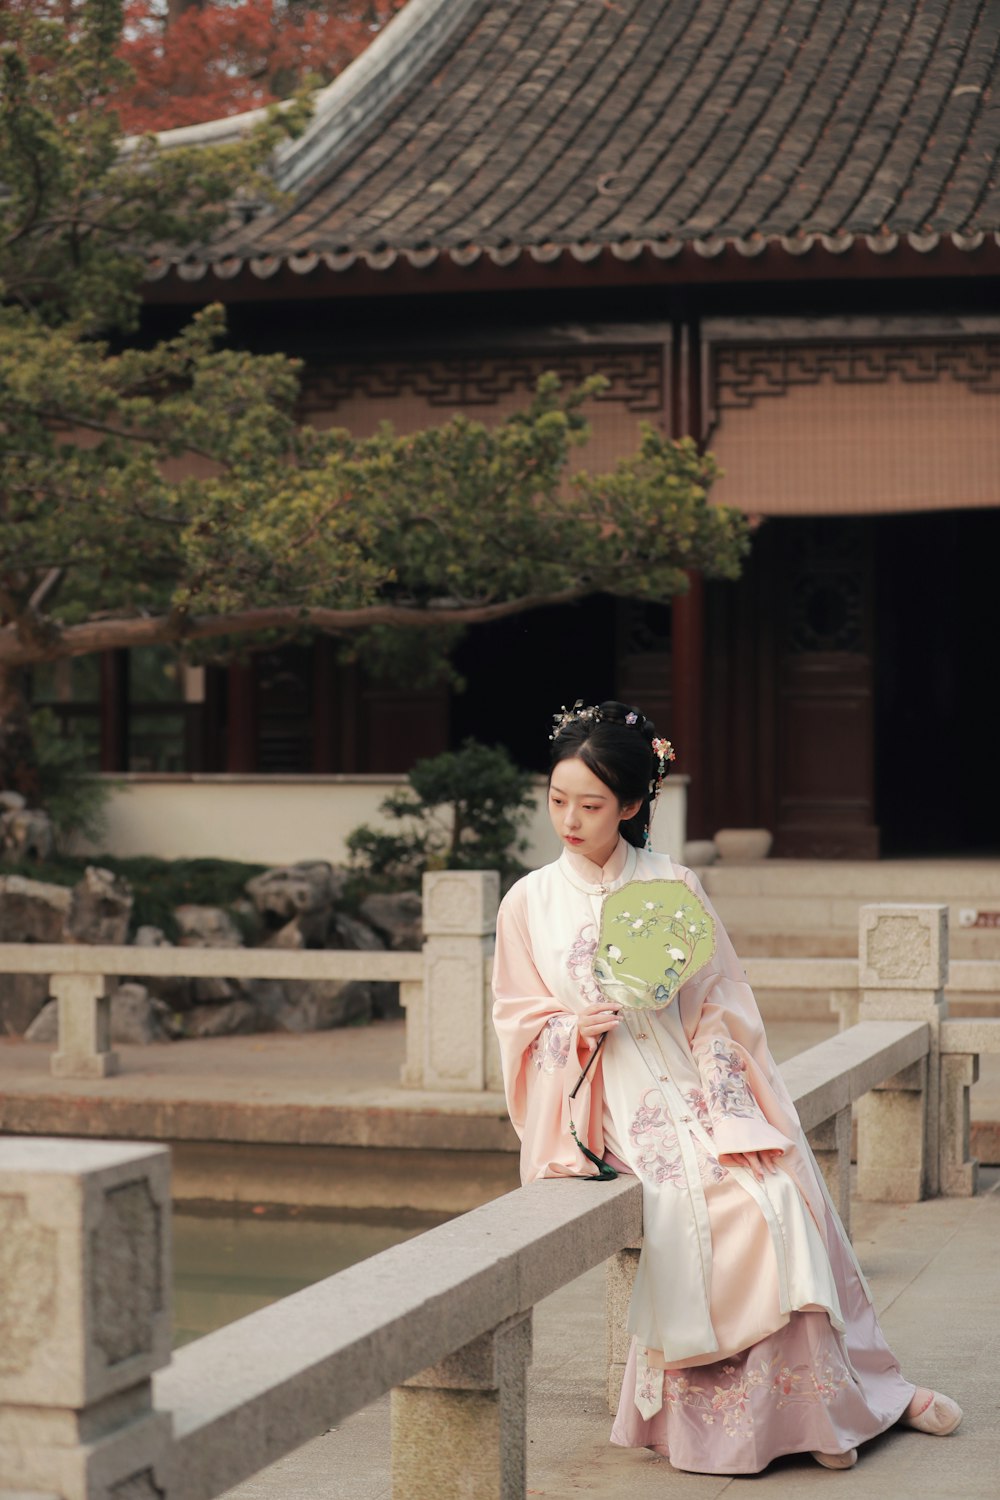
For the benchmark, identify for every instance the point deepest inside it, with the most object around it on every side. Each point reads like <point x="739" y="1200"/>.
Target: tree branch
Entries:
<point x="160" y="630"/>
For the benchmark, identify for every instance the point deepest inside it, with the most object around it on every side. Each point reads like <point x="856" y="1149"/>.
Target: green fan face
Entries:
<point x="655" y="935"/>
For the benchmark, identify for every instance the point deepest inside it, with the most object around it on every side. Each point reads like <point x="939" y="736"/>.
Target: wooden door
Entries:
<point x="822" y="596"/>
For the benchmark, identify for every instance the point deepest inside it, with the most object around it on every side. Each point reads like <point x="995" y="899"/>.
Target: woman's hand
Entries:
<point x="756" y="1162"/>
<point x="595" y="1020"/>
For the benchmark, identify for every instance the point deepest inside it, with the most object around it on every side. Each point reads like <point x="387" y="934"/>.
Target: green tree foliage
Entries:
<point x="464" y="810"/>
<point x="166" y="495"/>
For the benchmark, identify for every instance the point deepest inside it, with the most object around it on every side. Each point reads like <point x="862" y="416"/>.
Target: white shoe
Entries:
<point x="837" y="1460"/>
<point x="935" y="1413"/>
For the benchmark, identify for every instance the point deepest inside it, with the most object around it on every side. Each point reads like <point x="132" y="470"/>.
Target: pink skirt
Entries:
<point x="805" y="1388"/>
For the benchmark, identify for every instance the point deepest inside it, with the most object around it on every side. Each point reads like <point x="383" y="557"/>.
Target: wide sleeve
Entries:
<point x="748" y="1105"/>
<point x="542" y="1053"/>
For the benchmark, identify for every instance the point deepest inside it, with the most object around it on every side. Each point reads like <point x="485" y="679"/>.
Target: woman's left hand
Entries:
<point x="756" y="1162"/>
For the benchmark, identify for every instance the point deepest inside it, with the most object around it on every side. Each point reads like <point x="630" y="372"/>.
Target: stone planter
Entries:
<point x="743" y="845"/>
<point x="700" y="852"/>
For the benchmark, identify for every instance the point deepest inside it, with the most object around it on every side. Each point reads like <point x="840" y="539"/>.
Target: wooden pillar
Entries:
<point x="688" y="728"/>
<point x="114" y="710"/>
<point x="241" y="718"/>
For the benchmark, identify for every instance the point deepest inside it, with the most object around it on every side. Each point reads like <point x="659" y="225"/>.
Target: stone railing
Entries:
<point x="92" y="1407"/>
<point x="900" y="975"/>
<point x="450" y="1043"/>
<point x="837" y="981"/>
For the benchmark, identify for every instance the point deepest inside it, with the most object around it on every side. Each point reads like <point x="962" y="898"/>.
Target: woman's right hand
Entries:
<point x="595" y="1020"/>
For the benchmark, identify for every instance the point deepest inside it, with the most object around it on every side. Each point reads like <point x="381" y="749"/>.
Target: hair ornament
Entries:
<point x="664" y="752"/>
<point x="567" y="716"/>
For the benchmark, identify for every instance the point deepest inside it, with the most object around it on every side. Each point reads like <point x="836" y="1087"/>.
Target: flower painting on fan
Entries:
<point x="655" y="935"/>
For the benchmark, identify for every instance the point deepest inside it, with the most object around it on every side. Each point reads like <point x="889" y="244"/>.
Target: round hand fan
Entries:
<point x="654" y="936"/>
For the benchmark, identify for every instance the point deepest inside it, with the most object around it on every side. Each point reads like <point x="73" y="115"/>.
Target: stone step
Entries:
<point x="771" y="940"/>
<point x="974" y="882"/>
<point x="808" y="908"/>
<point x="814" y="1005"/>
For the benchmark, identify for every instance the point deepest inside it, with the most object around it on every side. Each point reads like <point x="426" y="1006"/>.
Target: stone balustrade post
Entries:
<point x="84" y="1318"/>
<point x="84" y="1027"/>
<point x="459" y="1427"/>
<point x="831" y="1145"/>
<point x="959" y="1168"/>
<point x="452" y="1044"/>
<point x="902" y="972"/>
<point x="619" y="1279"/>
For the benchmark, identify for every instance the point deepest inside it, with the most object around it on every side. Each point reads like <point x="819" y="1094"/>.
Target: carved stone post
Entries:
<point x="831" y="1145"/>
<point x="620" y="1273"/>
<point x="411" y="998"/>
<point x="460" y="912"/>
<point x="84" y="1318"/>
<point x="458" y="1428"/>
<point x="902" y="971"/>
<point x="959" y="1168"/>
<point x="84" y="1027"/>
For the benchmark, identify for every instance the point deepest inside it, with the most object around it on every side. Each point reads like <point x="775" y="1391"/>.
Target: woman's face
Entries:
<point x="585" y="812"/>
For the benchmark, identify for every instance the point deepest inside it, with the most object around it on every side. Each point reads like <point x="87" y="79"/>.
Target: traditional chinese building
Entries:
<point x="773" y="226"/>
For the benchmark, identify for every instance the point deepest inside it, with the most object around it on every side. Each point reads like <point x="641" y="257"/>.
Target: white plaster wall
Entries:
<point x="281" y="819"/>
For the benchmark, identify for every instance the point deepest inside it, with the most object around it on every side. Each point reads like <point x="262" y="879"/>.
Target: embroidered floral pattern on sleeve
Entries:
<point x="722" y="1393"/>
<point x="551" y="1047"/>
<point x="724" y="1072"/>
<point x="658" y="1153"/>
<point x="579" y="962"/>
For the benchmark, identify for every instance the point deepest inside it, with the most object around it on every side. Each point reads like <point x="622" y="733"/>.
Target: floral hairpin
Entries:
<point x="664" y="752"/>
<point x="566" y="716"/>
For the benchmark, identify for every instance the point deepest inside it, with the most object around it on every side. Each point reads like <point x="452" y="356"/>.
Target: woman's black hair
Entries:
<point x="615" y="742"/>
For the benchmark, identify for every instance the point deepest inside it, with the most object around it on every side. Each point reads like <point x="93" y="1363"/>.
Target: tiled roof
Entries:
<point x="582" y="127"/>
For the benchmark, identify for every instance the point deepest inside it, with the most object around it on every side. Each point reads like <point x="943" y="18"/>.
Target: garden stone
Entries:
<point x="322" y="1004"/>
<point x="349" y="932"/>
<point x="173" y="990"/>
<point x="22" y="997"/>
<point x="290" y="936"/>
<point x="206" y="927"/>
<point x="45" y="1026"/>
<point x="133" y="1016"/>
<point x="26" y="833"/>
<point x="31" y="911"/>
<point x="237" y="1018"/>
<point x="102" y="906"/>
<point x="151" y="937"/>
<point x="214" y="991"/>
<point x="268" y="998"/>
<point x="210" y="927"/>
<point x="398" y="918"/>
<point x="252" y="924"/>
<point x="291" y="890"/>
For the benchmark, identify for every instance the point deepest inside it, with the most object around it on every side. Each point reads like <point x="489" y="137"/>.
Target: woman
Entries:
<point x="753" y="1329"/>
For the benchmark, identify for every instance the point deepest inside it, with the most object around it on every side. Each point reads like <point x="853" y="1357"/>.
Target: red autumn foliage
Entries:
<point x="226" y="56"/>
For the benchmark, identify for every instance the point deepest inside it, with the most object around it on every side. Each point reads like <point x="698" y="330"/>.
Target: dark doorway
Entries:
<point x="519" y="671"/>
<point x="937" y="639"/>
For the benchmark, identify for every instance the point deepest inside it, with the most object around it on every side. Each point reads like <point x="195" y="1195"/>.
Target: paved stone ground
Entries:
<point x="935" y="1274"/>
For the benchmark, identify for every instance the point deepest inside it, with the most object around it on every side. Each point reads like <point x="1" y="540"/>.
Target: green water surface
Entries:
<point x="226" y="1266"/>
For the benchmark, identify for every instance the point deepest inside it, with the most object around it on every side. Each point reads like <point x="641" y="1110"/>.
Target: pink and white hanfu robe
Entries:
<point x="753" y="1330"/>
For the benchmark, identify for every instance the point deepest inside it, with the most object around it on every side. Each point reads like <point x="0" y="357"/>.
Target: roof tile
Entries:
<point x="595" y="122"/>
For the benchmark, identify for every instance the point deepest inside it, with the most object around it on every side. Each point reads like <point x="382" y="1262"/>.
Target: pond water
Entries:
<point x="228" y="1265"/>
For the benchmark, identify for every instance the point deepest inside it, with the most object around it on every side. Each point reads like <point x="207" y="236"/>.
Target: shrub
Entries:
<point x="74" y="800"/>
<point x="464" y="810"/>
